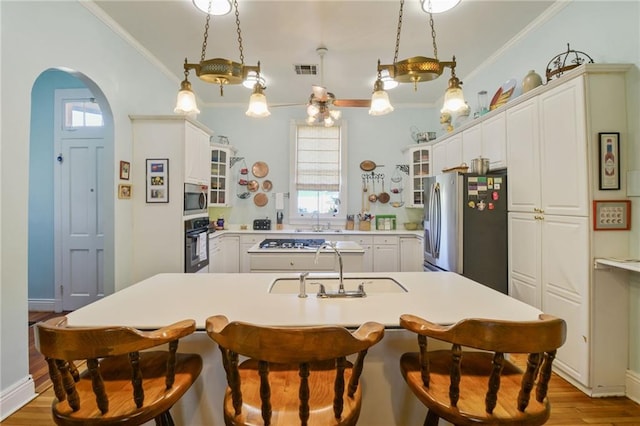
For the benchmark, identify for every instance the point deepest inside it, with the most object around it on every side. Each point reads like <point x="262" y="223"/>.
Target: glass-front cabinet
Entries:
<point x="419" y="168"/>
<point x="220" y="178"/>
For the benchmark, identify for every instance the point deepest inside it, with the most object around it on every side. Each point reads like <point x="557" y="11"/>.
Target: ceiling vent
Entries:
<point x="302" y="69"/>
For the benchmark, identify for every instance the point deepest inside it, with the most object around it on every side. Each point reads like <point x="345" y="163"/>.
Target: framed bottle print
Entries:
<point x="609" y="160"/>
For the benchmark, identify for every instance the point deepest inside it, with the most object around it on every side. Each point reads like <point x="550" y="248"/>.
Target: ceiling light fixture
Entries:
<point x="218" y="70"/>
<point x="320" y="109"/>
<point x="380" y="104"/>
<point x="416" y="69"/>
<point x="438" y="6"/>
<point x="218" y="7"/>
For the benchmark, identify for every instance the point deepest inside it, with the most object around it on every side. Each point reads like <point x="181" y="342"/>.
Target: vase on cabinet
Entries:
<point x="531" y="81"/>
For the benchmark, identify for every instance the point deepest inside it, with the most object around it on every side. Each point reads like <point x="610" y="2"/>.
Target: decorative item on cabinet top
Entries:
<point x="558" y="64"/>
<point x="531" y="81"/>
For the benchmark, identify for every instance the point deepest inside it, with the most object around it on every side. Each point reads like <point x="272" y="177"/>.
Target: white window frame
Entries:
<point x="333" y="220"/>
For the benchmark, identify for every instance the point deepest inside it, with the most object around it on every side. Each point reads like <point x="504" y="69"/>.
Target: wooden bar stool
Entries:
<point x="121" y="385"/>
<point x="468" y="387"/>
<point x="293" y="375"/>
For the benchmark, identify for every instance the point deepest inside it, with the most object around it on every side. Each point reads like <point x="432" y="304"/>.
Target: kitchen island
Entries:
<point x="441" y="297"/>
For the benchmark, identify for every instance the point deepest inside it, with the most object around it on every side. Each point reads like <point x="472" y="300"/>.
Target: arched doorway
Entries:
<point x="71" y="203"/>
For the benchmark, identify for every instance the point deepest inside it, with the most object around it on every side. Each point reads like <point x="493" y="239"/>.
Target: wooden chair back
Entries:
<point x="122" y="383"/>
<point x="315" y="358"/>
<point x="468" y="387"/>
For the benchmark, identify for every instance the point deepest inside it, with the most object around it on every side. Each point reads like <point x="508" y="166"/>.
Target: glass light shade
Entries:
<point x="312" y="110"/>
<point x="328" y="121"/>
<point x="453" y="99"/>
<point x="186" y="102"/>
<point x="438" y="6"/>
<point x="218" y="7"/>
<point x="258" y="106"/>
<point x="380" y="104"/>
<point x="335" y="114"/>
<point x="311" y="120"/>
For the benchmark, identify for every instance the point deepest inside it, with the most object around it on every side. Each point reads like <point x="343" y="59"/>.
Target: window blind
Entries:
<point x="318" y="158"/>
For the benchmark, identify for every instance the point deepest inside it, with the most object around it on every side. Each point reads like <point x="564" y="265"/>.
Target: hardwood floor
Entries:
<point x="570" y="407"/>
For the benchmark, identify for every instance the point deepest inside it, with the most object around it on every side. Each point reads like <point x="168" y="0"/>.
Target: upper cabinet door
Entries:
<point x="563" y="150"/>
<point x="523" y="156"/>
<point x="196" y="155"/>
<point x="494" y="141"/>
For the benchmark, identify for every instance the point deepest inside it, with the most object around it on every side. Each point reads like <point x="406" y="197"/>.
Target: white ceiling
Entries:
<point x="356" y="33"/>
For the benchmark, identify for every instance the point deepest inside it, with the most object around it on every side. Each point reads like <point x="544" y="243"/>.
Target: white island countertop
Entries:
<point x="342" y="246"/>
<point x="441" y="297"/>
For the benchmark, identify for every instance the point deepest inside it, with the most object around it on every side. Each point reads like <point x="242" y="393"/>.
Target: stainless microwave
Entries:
<point x="195" y="198"/>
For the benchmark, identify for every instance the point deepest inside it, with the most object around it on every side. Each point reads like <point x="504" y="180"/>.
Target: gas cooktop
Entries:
<point x="288" y="243"/>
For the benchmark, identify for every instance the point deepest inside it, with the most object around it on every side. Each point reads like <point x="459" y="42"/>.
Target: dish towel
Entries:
<point x="279" y="200"/>
<point x="202" y="246"/>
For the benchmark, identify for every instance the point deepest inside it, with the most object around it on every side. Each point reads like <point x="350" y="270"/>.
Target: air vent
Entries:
<point x="302" y="69"/>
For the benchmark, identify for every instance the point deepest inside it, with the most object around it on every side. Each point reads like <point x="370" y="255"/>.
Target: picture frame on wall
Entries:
<point x="609" y="160"/>
<point x="611" y="215"/>
<point x="125" y="168"/>
<point x="157" y="179"/>
<point x="124" y="191"/>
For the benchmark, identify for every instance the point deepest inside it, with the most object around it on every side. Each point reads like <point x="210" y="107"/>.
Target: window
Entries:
<point x="82" y="113"/>
<point x="318" y="167"/>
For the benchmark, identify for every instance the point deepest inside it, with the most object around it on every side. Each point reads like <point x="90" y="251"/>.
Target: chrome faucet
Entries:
<point x="332" y="246"/>
<point x="303" y="289"/>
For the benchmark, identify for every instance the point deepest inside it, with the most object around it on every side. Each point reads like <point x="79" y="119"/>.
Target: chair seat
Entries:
<point x="284" y="382"/>
<point x="475" y="372"/>
<point x="116" y="373"/>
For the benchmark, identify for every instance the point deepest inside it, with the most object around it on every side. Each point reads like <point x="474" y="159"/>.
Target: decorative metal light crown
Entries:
<point x="558" y="64"/>
<point x="414" y="70"/>
<point x="222" y="71"/>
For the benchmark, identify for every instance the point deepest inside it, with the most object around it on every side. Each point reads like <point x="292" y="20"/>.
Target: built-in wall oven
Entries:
<point x="196" y="249"/>
<point x="195" y="199"/>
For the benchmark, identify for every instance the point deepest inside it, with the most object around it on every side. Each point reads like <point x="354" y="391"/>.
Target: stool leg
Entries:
<point x="432" y="419"/>
<point x="164" y="419"/>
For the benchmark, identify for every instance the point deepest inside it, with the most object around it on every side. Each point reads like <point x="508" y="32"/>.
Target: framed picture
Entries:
<point x="158" y="180"/>
<point x="609" y="160"/>
<point x="611" y="215"/>
<point x="124" y="191"/>
<point x="124" y="170"/>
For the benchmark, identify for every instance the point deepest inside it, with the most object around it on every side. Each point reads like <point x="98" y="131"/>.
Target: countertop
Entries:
<point x="330" y="234"/>
<point x="441" y="297"/>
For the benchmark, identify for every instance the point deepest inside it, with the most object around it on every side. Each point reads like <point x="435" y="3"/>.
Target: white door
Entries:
<point x="79" y="198"/>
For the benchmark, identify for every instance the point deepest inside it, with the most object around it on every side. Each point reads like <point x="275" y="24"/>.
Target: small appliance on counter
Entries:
<point x="279" y="217"/>
<point x="262" y="225"/>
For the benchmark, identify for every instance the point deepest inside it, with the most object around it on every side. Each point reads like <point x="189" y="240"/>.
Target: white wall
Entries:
<point x="49" y="35"/>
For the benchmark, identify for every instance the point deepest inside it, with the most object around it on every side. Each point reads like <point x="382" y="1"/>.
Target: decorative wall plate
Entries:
<point x="260" y="199"/>
<point x="253" y="185"/>
<point x="267" y="185"/>
<point x="260" y="169"/>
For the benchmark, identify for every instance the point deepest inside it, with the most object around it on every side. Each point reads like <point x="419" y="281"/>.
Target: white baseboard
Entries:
<point x="42" y="305"/>
<point x="18" y="395"/>
<point x="633" y="386"/>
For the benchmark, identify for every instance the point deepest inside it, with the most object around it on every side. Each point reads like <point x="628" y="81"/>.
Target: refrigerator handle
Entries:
<point x="434" y="220"/>
<point x="437" y="211"/>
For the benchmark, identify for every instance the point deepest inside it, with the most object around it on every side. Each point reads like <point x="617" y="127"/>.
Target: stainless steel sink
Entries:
<point x="372" y="285"/>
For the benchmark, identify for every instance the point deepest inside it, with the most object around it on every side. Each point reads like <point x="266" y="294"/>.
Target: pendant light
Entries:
<point x="416" y="69"/>
<point x="453" y="96"/>
<point x="258" y="107"/>
<point x="218" y="71"/>
<point x="380" y="104"/>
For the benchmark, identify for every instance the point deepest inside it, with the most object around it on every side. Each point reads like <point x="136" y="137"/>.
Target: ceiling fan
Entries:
<point x="322" y="103"/>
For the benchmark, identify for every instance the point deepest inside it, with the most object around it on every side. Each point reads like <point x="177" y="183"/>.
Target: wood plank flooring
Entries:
<point x="570" y="407"/>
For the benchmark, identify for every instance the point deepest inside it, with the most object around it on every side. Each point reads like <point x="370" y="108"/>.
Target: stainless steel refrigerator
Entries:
<point x="465" y="226"/>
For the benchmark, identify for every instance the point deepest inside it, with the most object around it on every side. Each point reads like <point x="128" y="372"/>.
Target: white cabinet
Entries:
<point x="158" y="228"/>
<point x="223" y="253"/>
<point x="366" y="242"/>
<point x="419" y="168"/>
<point x="385" y="253"/>
<point x="220" y="174"/>
<point x="246" y="242"/>
<point x="486" y="139"/>
<point x="196" y="150"/>
<point x="447" y="153"/>
<point x="411" y="254"/>
<point x="552" y="140"/>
